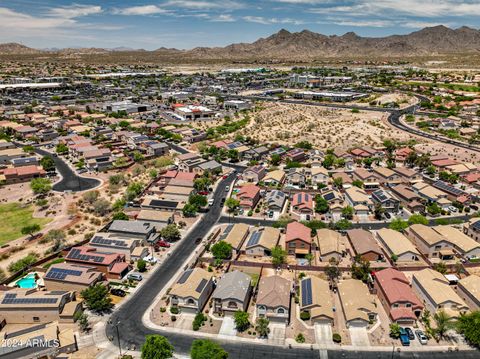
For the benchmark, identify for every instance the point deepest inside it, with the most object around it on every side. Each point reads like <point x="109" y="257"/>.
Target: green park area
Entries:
<point x="14" y="217"/>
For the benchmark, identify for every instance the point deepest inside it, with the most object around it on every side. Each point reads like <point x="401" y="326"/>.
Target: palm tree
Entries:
<point x="443" y="322"/>
<point x="262" y="327"/>
<point x="309" y="257"/>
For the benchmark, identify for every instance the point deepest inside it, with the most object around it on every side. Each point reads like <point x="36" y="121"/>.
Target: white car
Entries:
<point x="150" y="259"/>
<point x="453" y="209"/>
<point x="210" y="202"/>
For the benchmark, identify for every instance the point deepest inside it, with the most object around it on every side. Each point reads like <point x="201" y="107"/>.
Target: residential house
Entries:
<point x="235" y="234"/>
<point x="262" y="241"/>
<point x="316" y="299"/>
<point x="436" y="293"/>
<point x="30" y="306"/>
<point x="385" y="200"/>
<point x="112" y="242"/>
<point x="302" y="204"/>
<point x="254" y="174"/>
<point x="397" y="297"/>
<point x="469" y="291"/>
<point x="358" y="305"/>
<point x="397" y="246"/>
<point x="386" y="176"/>
<point x="409" y="199"/>
<point x="143" y="230"/>
<point x="331" y="245"/>
<point x="320" y="177"/>
<point x="232" y="292"/>
<point x="369" y="179"/>
<point x="248" y="195"/>
<point x="296" y="155"/>
<point x="359" y="200"/>
<point x="191" y="291"/>
<point x="298" y="239"/>
<point x="274" y="178"/>
<point x="298" y="177"/>
<point x="112" y="265"/>
<point x="364" y="245"/>
<point x="21" y="174"/>
<point x="273" y="298"/>
<point x="71" y="277"/>
<point x="275" y="200"/>
<point x="408" y="175"/>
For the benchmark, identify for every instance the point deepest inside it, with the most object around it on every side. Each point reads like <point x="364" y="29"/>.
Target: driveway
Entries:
<point x="359" y="336"/>
<point x="323" y="334"/>
<point x="277" y="333"/>
<point x="228" y="327"/>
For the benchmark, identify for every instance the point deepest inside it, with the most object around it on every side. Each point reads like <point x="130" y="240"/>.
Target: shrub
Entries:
<point x="200" y="318"/>
<point x="337" y="338"/>
<point x="174" y="310"/>
<point x="300" y="338"/>
<point x="304" y="315"/>
<point x="163" y="310"/>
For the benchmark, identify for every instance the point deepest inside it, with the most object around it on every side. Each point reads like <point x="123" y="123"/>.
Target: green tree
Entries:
<point x="197" y="200"/>
<point x="170" y="233"/>
<point x="443" y="322"/>
<point x="417" y="219"/>
<point x="23" y="263"/>
<point x="47" y="163"/>
<point x="440" y="267"/>
<point x="241" y="320"/>
<point x="222" y="250"/>
<point x="357" y="183"/>
<point x="261" y="326"/>
<point x="54" y="235"/>
<point x="138" y="157"/>
<point x="321" y="204"/>
<point x="28" y="149"/>
<point x="30" y="229"/>
<point x="141" y="265"/>
<point x="275" y="159"/>
<point x="61" y="148"/>
<point x="96" y="298"/>
<point x="431" y="170"/>
<point x="232" y="204"/>
<point x="378" y="211"/>
<point x="40" y="185"/>
<point x="347" y="212"/>
<point x="201" y="184"/>
<point x="394" y="330"/>
<point x="120" y="216"/>
<point x="398" y="224"/>
<point x="343" y="225"/>
<point x="360" y="269"/>
<point x="282" y="222"/>
<point x="156" y="347"/>
<point x="332" y="271"/>
<point x="279" y="256"/>
<point x="434" y="209"/>
<point x="338" y="182"/>
<point x="82" y="320"/>
<point x="189" y="210"/>
<point x="328" y="161"/>
<point x="206" y="349"/>
<point x="198" y="321"/>
<point x="469" y="325"/>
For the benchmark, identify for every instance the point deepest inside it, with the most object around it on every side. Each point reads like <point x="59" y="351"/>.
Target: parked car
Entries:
<point x="422" y="338"/>
<point x="404" y="337"/>
<point x="388" y="215"/>
<point x="118" y="292"/>
<point x="227" y="188"/>
<point x="210" y="202"/>
<point x="453" y="209"/>
<point x="162" y="244"/>
<point x="135" y="276"/>
<point x="150" y="259"/>
<point x="410" y="334"/>
<point x="270" y="214"/>
<point x="474" y="207"/>
<point x="198" y="240"/>
<point x="203" y="193"/>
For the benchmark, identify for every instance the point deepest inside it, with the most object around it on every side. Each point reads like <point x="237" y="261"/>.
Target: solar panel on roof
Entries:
<point x="448" y="188"/>
<point x="185" y="276"/>
<point x="254" y="239"/>
<point x="201" y="285"/>
<point x="307" y="292"/>
<point x="329" y="196"/>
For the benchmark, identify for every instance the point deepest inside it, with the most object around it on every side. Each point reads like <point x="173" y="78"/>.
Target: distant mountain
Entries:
<point x="15" y="48"/>
<point x="308" y="45"/>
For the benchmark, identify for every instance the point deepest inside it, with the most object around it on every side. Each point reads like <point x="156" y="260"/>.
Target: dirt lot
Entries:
<point x="288" y="124"/>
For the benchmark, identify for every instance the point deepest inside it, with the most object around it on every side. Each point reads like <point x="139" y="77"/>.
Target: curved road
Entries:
<point x="70" y="181"/>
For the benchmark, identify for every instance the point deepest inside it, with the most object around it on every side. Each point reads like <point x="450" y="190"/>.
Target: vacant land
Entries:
<point x="324" y="127"/>
<point x="15" y="216"/>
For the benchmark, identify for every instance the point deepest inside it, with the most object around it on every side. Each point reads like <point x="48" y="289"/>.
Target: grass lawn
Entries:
<point x="13" y="217"/>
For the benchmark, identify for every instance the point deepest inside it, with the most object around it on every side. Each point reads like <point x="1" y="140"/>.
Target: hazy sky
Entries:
<point x="191" y="23"/>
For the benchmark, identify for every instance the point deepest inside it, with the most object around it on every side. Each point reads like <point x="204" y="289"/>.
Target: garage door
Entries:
<point x="357" y="324"/>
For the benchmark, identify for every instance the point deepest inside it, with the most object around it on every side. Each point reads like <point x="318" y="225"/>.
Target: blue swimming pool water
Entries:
<point x="27" y="282"/>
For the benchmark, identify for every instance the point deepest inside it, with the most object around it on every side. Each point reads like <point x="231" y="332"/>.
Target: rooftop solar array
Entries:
<point x="254" y="239"/>
<point x="307" y="292"/>
<point x="380" y="195"/>
<point x="11" y="298"/>
<point x="77" y="254"/>
<point x="163" y="204"/>
<point x="448" y="188"/>
<point x="185" y="276"/>
<point x="108" y="242"/>
<point x="476" y="225"/>
<point x="61" y="273"/>
<point x="329" y="196"/>
<point x="201" y="285"/>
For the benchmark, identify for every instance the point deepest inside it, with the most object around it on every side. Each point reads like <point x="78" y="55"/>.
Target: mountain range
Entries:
<point x="308" y="45"/>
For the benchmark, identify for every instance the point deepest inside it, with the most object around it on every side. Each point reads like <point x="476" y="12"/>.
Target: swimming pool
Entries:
<point x="27" y="282"/>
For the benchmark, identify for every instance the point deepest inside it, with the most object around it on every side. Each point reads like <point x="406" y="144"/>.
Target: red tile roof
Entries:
<point x="296" y="230"/>
<point x="396" y="287"/>
<point x="248" y="191"/>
